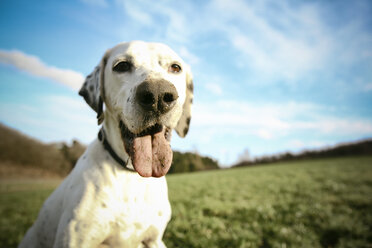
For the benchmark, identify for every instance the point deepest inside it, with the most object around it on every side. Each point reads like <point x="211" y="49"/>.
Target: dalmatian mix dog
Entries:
<point x="116" y="196"/>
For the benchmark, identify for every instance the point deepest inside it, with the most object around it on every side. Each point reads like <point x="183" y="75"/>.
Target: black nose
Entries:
<point x="158" y="96"/>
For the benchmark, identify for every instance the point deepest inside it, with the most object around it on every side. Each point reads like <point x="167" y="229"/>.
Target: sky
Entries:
<point x="269" y="76"/>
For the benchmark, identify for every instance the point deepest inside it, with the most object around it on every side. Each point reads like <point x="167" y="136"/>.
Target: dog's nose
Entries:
<point x="157" y="96"/>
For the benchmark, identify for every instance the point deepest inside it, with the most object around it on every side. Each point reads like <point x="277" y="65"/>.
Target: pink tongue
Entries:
<point x="152" y="155"/>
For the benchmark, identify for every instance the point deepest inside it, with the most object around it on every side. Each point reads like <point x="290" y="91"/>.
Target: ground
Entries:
<point x="315" y="203"/>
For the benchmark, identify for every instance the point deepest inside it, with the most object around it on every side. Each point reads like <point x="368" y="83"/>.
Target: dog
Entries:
<point x="116" y="195"/>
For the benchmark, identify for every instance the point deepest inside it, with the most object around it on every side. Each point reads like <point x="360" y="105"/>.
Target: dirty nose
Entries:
<point x="156" y="96"/>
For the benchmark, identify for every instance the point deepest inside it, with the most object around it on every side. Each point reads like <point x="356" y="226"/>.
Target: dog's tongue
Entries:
<point x="152" y="155"/>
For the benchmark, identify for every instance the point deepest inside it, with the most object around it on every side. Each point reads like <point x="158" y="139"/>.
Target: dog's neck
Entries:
<point x="113" y="136"/>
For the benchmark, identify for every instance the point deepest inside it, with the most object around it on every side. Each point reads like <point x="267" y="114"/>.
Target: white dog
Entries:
<point x="116" y="196"/>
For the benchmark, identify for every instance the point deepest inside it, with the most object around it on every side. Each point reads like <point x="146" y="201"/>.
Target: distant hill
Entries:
<point x="189" y="162"/>
<point x="23" y="156"/>
<point x="363" y="147"/>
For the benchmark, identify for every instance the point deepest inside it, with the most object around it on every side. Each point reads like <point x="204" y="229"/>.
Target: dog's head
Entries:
<point x="147" y="88"/>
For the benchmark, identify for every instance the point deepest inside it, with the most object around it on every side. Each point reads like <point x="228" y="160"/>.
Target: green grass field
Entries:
<point x="319" y="203"/>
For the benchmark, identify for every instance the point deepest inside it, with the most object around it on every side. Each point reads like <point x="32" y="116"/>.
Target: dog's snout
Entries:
<point x="156" y="96"/>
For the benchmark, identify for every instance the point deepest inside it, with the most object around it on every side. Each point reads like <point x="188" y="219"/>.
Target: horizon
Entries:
<point x="264" y="83"/>
<point x="244" y="158"/>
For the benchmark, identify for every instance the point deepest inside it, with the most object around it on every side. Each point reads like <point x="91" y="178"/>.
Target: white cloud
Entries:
<point x="264" y="134"/>
<point x="167" y="21"/>
<point x="290" y="47"/>
<point x="36" y="67"/>
<point x="137" y="13"/>
<point x="298" y="44"/>
<point x="56" y="118"/>
<point x="298" y="144"/>
<point x="275" y="50"/>
<point x="214" y="88"/>
<point x="368" y="87"/>
<point x="267" y="128"/>
<point x="271" y="121"/>
<point x="334" y="125"/>
<point x="188" y="56"/>
<point x="176" y="29"/>
<point x="71" y="109"/>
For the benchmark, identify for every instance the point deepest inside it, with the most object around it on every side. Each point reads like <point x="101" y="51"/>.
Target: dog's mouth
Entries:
<point x="149" y="150"/>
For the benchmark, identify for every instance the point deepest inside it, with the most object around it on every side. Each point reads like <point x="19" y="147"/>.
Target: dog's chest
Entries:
<point x="137" y="210"/>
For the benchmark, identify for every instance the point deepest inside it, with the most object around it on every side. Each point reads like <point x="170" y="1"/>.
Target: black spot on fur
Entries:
<point x="99" y="68"/>
<point x="104" y="205"/>
<point x="144" y="242"/>
<point x="191" y="100"/>
<point x="188" y="121"/>
<point x="97" y="187"/>
<point x="84" y="93"/>
<point x="185" y="130"/>
<point x="91" y="88"/>
<point x="190" y="86"/>
<point x="99" y="109"/>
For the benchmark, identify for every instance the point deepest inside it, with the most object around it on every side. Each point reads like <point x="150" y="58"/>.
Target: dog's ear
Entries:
<point x="93" y="88"/>
<point x="183" y="124"/>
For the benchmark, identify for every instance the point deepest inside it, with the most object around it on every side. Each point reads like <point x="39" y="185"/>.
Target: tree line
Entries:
<point x="363" y="147"/>
<point x="20" y="151"/>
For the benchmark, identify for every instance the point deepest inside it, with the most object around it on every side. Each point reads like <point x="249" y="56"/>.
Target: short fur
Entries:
<point x="101" y="204"/>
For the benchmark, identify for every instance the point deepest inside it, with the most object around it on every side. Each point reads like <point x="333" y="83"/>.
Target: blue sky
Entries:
<point x="270" y="76"/>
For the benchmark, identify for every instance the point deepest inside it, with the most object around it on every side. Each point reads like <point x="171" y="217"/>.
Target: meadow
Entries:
<point x="310" y="203"/>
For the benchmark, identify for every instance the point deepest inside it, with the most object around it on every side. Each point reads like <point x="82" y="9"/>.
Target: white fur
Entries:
<point x="146" y="59"/>
<point x="100" y="204"/>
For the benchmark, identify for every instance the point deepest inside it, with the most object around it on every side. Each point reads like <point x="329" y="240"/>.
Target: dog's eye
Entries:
<point x="123" y="66"/>
<point x="175" y="68"/>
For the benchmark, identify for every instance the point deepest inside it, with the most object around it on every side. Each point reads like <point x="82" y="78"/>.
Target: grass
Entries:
<point x="319" y="203"/>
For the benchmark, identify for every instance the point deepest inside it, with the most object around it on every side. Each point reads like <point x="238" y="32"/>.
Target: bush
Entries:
<point x="189" y="162"/>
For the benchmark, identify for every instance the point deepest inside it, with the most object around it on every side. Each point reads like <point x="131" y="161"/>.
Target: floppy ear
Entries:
<point x="183" y="124"/>
<point x="93" y="89"/>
